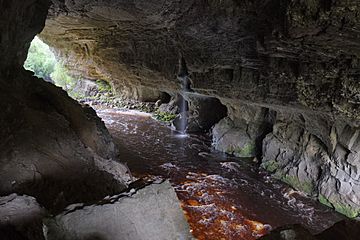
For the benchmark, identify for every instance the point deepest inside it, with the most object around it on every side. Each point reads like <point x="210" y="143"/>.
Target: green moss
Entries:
<point x="76" y="95"/>
<point x="247" y="151"/>
<point x="325" y="201"/>
<point x="270" y="166"/>
<point x="164" y="116"/>
<point x="340" y="207"/>
<point x="346" y="210"/>
<point x="304" y="186"/>
<point x="103" y="86"/>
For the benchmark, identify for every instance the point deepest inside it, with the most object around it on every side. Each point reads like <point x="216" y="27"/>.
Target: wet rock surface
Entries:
<point x="346" y="230"/>
<point x="315" y="155"/>
<point x="151" y="213"/>
<point x="243" y="131"/>
<point x="289" y="69"/>
<point x="295" y="232"/>
<point x="201" y="112"/>
<point x="294" y="59"/>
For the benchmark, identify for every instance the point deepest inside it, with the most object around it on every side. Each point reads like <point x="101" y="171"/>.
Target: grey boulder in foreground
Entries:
<point x="153" y="212"/>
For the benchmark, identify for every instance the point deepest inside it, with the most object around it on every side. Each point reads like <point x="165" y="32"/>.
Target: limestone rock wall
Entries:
<point x="287" y="70"/>
<point x="313" y="152"/>
<point x="51" y="147"/>
<point x="318" y="156"/>
<point x="296" y="60"/>
<point x="301" y="54"/>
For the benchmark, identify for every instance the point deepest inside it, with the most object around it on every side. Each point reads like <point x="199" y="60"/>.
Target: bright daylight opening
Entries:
<point x="43" y="62"/>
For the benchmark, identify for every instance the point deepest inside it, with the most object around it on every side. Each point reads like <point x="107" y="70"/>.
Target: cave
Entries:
<point x="190" y="119"/>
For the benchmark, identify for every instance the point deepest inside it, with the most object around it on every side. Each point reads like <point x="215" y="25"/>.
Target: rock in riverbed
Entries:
<point x="153" y="213"/>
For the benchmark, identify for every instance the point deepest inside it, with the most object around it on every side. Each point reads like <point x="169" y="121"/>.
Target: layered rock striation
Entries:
<point x="287" y="71"/>
<point x="51" y="148"/>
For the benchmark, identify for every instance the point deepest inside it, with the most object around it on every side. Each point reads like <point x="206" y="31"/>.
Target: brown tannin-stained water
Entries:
<point x="223" y="197"/>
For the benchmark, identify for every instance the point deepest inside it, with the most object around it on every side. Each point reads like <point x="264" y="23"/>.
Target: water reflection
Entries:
<point x="223" y="197"/>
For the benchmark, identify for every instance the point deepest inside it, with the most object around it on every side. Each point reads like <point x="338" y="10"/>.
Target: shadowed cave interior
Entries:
<point x="180" y="120"/>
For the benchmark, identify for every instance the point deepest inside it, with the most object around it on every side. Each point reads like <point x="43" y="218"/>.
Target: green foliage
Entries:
<point x="270" y="166"/>
<point x="248" y="150"/>
<point x="304" y="186"/>
<point x="325" y="201"/>
<point x="164" y="116"/>
<point x="40" y="59"/>
<point x="103" y="86"/>
<point x="61" y="78"/>
<point x="345" y="209"/>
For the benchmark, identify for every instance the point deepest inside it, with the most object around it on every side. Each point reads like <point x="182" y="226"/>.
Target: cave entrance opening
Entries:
<point x="44" y="63"/>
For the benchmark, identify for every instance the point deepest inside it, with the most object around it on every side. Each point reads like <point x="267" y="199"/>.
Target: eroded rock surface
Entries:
<point x="20" y="218"/>
<point x="201" y="112"/>
<point x="50" y="145"/>
<point x="294" y="53"/>
<point x="152" y="213"/>
<point x="242" y="132"/>
<point x="295" y="232"/>
<point x="318" y="156"/>
<point x="292" y="66"/>
<point x="289" y="69"/>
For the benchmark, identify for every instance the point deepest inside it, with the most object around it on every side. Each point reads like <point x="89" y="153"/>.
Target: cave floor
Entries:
<point x="222" y="196"/>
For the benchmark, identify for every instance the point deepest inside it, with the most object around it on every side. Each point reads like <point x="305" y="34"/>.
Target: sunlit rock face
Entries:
<point x="152" y="213"/>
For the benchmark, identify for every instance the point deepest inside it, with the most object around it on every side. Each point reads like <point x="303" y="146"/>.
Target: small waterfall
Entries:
<point x="183" y="77"/>
<point x="183" y="114"/>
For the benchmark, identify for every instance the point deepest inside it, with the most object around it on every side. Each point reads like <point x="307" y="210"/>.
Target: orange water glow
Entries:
<point x="223" y="198"/>
<point x="210" y="215"/>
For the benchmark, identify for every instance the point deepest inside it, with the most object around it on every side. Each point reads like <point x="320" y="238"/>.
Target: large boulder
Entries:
<point x="20" y="218"/>
<point x="152" y="213"/>
<point x="242" y="132"/>
<point x="345" y="230"/>
<point x="293" y="232"/>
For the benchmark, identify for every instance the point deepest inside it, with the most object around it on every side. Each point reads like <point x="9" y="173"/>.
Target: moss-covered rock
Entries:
<point x="164" y="116"/>
<point x="270" y="166"/>
<point x="304" y="186"/>
<point x="248" y="150"/>
<point x="342" y="208"/>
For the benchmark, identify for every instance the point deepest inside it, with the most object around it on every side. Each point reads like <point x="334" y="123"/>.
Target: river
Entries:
<point x="223" y="197"/>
